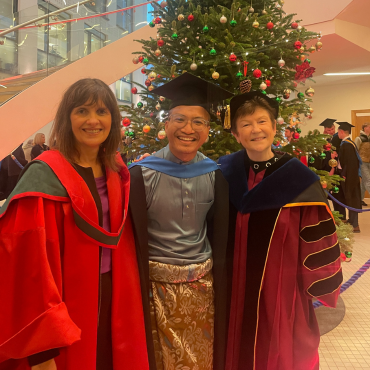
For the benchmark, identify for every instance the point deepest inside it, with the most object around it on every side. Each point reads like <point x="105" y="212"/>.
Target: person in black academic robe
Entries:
<point x="349" y="162"/>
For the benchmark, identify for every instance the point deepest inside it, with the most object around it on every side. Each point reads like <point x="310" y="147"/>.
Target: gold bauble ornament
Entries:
<point x="152" y="76"/>
<point x="158" y="106"/>
<point x="161" y="98"/>
<point x="158" y="53"/>
<point x="324" y="184"/>
<point x="333" y="163"/>
<point x="301" y="49"/>
<point x="180" y="17"/>
<point x="215" y="75"/>
<point x="151" y="88"/>
<point x="312" y="49"/>
<point x="162" y="135"/>
<point x="255" y="24"/>
<point x="310" y="92"/>
<point x="311" y="110"/>
<point x="319" y="45"/>
<point x="146" y="129"/>
<point x="302" y="57"/>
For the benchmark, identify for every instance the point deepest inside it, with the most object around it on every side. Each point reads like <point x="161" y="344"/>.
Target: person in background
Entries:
<point x="39" y="146"/>
<point x="27" y="150"/>
<point x="10" y="171"/>
<point x="289" y="133"/>
<point x="72" y="298"/>
<point x="349" y="162"/>
<point x="363" y="145"/>
<point x="285" y="247"/>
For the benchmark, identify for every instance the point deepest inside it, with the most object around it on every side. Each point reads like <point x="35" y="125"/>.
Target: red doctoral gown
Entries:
<point x="286" y="253"/>
<point x="49" y="268"/>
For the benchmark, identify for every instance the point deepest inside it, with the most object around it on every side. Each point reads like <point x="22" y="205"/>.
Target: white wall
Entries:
<point x="337" y="101"/>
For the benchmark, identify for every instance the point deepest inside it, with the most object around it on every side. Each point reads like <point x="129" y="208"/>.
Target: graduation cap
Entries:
<point x="188" y="89"/>
<point x="329" y="122"/>
<point x="345" y="126"/>
<point x="237" y="101"/>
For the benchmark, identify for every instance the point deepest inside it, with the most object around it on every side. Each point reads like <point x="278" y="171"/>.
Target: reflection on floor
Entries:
<point x="347" y="347"/>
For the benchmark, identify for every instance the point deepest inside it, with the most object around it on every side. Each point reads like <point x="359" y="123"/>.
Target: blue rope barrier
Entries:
<point x="349" y="282"/>
<point x="343" y="205"/>
<point x="17" y="162"/>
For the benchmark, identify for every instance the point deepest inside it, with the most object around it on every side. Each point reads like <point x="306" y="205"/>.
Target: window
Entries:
<point x="124" y="19"/>
<point x="123" y="89"/>
<point x="93" y="40"/>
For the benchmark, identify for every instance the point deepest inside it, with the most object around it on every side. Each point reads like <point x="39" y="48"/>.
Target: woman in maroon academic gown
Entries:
<point x="70" y="297"/>
<point x="285" y="247"/>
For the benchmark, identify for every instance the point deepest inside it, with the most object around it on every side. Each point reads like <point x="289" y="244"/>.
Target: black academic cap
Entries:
<point x="345" y="126"/>
<point x="329" y="122"/>
<point x="188" y="89"/>
<point x="238" y="100"/>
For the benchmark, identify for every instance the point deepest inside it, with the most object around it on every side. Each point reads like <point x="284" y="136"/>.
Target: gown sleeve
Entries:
<point x="320" y="265"/>
<point x="33" y="316"/>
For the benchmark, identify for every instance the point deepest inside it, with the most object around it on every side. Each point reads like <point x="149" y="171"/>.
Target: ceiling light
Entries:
<point x="347" y="74"/>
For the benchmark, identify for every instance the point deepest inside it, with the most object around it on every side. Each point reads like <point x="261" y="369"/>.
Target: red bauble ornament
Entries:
<point x="257" y="73"/>
<point x="277" y="143"/>
<point x="148" y="82"/>
<point x="190" y="17"/>
<point x="296" y="135"/>
<point x="134" y="90"/>
<point x="141" y="59"/>
<point x="268" y="83"/>
<point x="270" y="25"/>
<point x="294" y="25"/>
<point x="143" y="71"/>
<point x="160" y="43"/>
<point x="232" y="57"/>
<point x="158" y="76"/>
<point x="327" y="146"/>
<point x="126" y="122"/>
<point x="158" y="20"/>
<point x="297" y="45"/>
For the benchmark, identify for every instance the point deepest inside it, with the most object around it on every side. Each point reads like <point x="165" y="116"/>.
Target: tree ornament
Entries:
<point x="158" y="106"/>
<point x="180" y="17"/>
<point x="245" y="86"/>
<point x="135" y="60"/>
<point x="324" y="184"/>
<point x="255" y="24"/>
<point x="251" y="10"/>
<point x="296" y="136"/>
<point x="278" y="99"/>
<point x="348" y="254"/>
<point x="141" y="58"/>
<point x="232" y="57"/>
<point x="148" y="82"/>
<point x="278" y="6"/>
<point x="257" y="73"/>
<point x="280" y="120"/>
<point x="270" y="25"/>
<point x="223" y="19"/>
<point x="213" y="52"/>
<point x="143" y="71"/>
<point x="134" y="90"/>
<point x="286" y="94"/>
<point x="205" y="29"/>
<point x="174" y="36"/>
<point x="310" y="92"/>
<point x="298" y="130"/>
<point x="239" y="75"/>
<point x="151" y="115"/>
<point x="335" y="190"/>
<point x="268" y="83"/>
<point x="193" y="66"/>
<point x="263" y="86"/>
<point x="302" y="49"/>
<point x="311" y="160"/>
<point x="152" y="76"/>
<point x="302" y="57"/>
<point x="322" y="155"/>
<point x="264" y="92"/>
<point x="215" y="75"/>
<point x="158" y="20"/>
<point x="158" y="53"/>
<point x="319" y="45"/>
<point x="312" y="49"/>
<point x="311" y="110"/>
<point x="190" y="17"/>
<point x="300" y="95"/>
<point x="162" y="134"/>
<point x="162" y="98"/>
<point x="146" y="129"/>
<point x="163" y="4"/>
<point x="300" y="28"/>
<point x="333" y="163"/>
<point x="160" y="43"/>
<point x="233" y="23"/>
<point x="281" y="63"/>
<point x="140" y="104"/>
<point x="308" y="61"/>
<point x="294" y="25"/>
<point x="146" y="61"/>
<point x="126" y="122"/>
<point x="264" y="12"/>
<point x="151" y="88"/>
<point x="151" y="24"/>
<point x="297" y="44"/>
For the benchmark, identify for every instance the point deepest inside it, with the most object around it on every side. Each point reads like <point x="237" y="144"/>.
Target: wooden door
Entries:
<point x="359" y="117"/>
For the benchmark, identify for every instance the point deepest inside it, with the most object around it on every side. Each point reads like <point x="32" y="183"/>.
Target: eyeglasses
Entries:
<point x="180" y="121"/>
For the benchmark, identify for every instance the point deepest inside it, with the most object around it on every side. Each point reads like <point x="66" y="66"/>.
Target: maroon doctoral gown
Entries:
<point x="285" y="254"/>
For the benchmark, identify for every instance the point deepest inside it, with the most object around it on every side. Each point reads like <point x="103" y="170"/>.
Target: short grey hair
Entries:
<point x="365" y="125"/>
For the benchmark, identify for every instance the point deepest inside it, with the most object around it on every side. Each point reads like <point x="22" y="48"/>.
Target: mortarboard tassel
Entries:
<point x="227" y="122"/>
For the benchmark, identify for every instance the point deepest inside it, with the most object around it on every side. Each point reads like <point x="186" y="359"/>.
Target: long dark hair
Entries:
<point x="89" y="90"/>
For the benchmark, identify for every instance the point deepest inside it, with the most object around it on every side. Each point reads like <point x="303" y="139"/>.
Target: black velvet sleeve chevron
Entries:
<point x="322" y="258"/>
<point x="314" y="233"/>
<point x="326" y="286"/>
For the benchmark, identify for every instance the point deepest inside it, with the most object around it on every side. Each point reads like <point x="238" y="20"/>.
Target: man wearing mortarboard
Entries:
<point x="179" y="208"/>
<point x="349" y="162"/>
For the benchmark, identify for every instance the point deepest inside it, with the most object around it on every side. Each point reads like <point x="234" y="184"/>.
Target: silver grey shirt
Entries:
<point x="177" y="210"/>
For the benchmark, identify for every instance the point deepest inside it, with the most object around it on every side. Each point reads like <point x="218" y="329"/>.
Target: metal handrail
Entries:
<point x="9" y="30"/>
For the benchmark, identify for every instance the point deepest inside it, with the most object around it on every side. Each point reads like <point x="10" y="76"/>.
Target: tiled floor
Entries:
<point x="347" y="347"/>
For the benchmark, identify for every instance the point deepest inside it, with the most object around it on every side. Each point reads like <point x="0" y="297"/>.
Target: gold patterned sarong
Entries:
<point x="182" y="314"/>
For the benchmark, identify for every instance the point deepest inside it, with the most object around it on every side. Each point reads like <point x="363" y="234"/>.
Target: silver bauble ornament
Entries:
<point x="135" y="60"/>
<point x="263" y="86"/>
<point x="181" y="17"/>
<point x="223" y="19"/>
<point x="162" y="135"/>
<point x="280" y="120"/>
<point x="250" y="10"/>
<point x="281" y="63"/>
<point x="264" y="12"/>
<point x="310" y="92"/>
<point x="193" y="66"/>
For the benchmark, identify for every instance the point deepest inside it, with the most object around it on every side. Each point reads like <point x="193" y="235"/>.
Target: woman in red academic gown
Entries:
<point x="70" y="293"/>
<point x="284" y="247"/>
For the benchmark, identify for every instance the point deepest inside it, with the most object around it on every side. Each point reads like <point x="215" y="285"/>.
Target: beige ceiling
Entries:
<point x="345" y="27"/>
